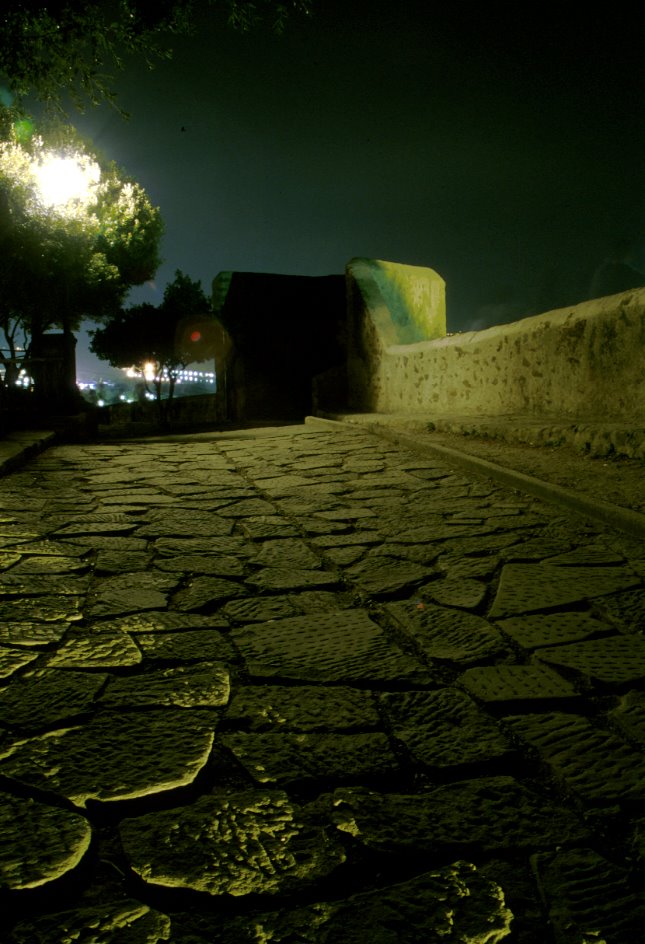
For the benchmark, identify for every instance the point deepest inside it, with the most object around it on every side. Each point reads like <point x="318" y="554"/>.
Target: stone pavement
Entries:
<point x="305" y="686"/>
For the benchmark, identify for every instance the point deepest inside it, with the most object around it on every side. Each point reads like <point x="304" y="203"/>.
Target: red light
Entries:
<point x="195" y="336"/>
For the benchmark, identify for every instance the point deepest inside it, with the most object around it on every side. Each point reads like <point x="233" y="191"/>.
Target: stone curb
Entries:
<point x="623" y="519"/>
<point x="16" y="447"/>
<point x="587" y="437"/>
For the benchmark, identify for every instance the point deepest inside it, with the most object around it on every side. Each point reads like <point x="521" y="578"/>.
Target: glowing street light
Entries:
<point x="66" y="184"/>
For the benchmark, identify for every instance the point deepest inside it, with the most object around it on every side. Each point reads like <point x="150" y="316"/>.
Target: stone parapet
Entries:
<point x="585" y="361"/>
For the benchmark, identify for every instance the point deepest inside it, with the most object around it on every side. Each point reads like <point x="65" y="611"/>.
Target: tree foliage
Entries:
<point x="62" y="262"/>
<point x="47" y="46"/>
<point x="160" y="341"/>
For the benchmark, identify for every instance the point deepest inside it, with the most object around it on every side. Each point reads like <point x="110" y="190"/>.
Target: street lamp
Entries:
<point x="66" y="184"/>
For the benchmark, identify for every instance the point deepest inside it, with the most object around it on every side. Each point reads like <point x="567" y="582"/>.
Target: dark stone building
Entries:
<point x="285" y="330"/>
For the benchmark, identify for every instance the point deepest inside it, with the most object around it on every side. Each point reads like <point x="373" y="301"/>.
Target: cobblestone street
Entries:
<point x="301" y="685"/>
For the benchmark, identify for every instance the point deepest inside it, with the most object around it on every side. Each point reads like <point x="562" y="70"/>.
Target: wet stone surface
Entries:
<point x="308" y="687"/>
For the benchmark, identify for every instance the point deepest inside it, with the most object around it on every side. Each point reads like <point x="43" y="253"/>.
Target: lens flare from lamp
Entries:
<point x="65" y="180"/>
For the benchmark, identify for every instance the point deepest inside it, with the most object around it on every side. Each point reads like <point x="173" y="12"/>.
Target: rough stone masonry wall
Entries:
<point x="586" y="361"/>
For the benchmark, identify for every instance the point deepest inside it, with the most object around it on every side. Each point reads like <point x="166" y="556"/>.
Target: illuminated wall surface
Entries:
<point x="406" y="303"/>
<point x="583" y="361"/>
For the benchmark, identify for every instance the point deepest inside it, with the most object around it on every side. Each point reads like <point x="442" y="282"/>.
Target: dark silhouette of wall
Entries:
<point x="285" y="330"/>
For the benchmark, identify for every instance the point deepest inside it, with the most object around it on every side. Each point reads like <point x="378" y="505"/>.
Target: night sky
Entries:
<point x="499" y="144"/>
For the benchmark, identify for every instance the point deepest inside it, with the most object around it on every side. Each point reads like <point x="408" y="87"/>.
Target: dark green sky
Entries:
<point x="501" y="145"/>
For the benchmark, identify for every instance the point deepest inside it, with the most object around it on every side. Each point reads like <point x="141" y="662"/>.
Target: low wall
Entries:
<point x="201" y="408"/>
<point x="586" y="361"/>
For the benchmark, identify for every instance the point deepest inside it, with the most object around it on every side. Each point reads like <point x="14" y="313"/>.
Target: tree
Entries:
<point x="159" y="342"/>
<point x="51" y="46"/>
<point x="75" y="234"/>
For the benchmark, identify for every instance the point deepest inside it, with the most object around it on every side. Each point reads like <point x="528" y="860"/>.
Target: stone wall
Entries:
<point x="585" y="361"/>
<point x="388" y="305"/>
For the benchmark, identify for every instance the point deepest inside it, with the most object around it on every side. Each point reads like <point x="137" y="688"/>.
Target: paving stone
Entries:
<point x="345" y="513"/>
<point x="588" y="554"/>
<point x="551" y="629"/>
<point x="46" y="585"/>
<point x="179" y="524"/>
<point x="288" y="485"/>
<point x="286" y="553"/>
<point x="91" y="528"/>
<point x="611" y="660"/>
<point x="116" y="562"/>
<point x="267" y="526"/>
<point x="277" y="578"/>
<point x="497" y="684"/>
<point x="211" y="565"/>
<point x="626" y="610"/>
<point x="501" y="522"/>
<point x="206" y="592"/>
<point x="287" y="756"/>
<point x="467" y="568"/>
<point x="594" y="764"/>
<point x="11" y="660"/>
<point x="425" y="554"/>
<point x="161" y="621"/>
<point x="10" y="536"/>
<point x="49" y="564"/>
<point x="378" y="499"/>
<point x="353" y="538"/>
<point x="130" y="593"/>
<point x="8" y="560"/>
<point x="589" y="898"/>
<point x="231" y="843"/>
<point x="123" y="922"/>
<point x="334" y="646"/>
<point x="323" y="527"/>
<point x="302" y="708"/>
<point x="629" y="716"/>
<point x="385" y="576"/>
<point x="491" y="544"/>
<point x="452" y="903"/>
<point x="408" y="532"/>
<point x="248" y="507"/>
<point x="145" y="496"/>
<point x="31" y="635"/>
<point x="535" y="549"/>
<point x="352" y="464"/>
<point x="259" y="609"/>
<point x="345" y="556"/>
<point x="136" y="512"/>
<point x="101" y="542"/>
<point x="204" y="686"/>
<point x="96" y="650"/>
<point x="444" y="728"/>
<point x="46" y="697"/>
<point x="491" y="813"/>
<point x="387" y="480"/>
<point x="528" y="587"/>
<point x="117" y="756"/>
<point x="447" y="635"/>
<point x="315" y="602"/>
<point x="39" y="843"/>
<point x="187" y="646"/>
<point x="459" y="591"/>
<point x="229" y="545"/>
<point x="318" y="462"/>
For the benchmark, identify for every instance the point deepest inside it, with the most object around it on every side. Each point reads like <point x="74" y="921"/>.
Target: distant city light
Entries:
<point x="182" y="376"/>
